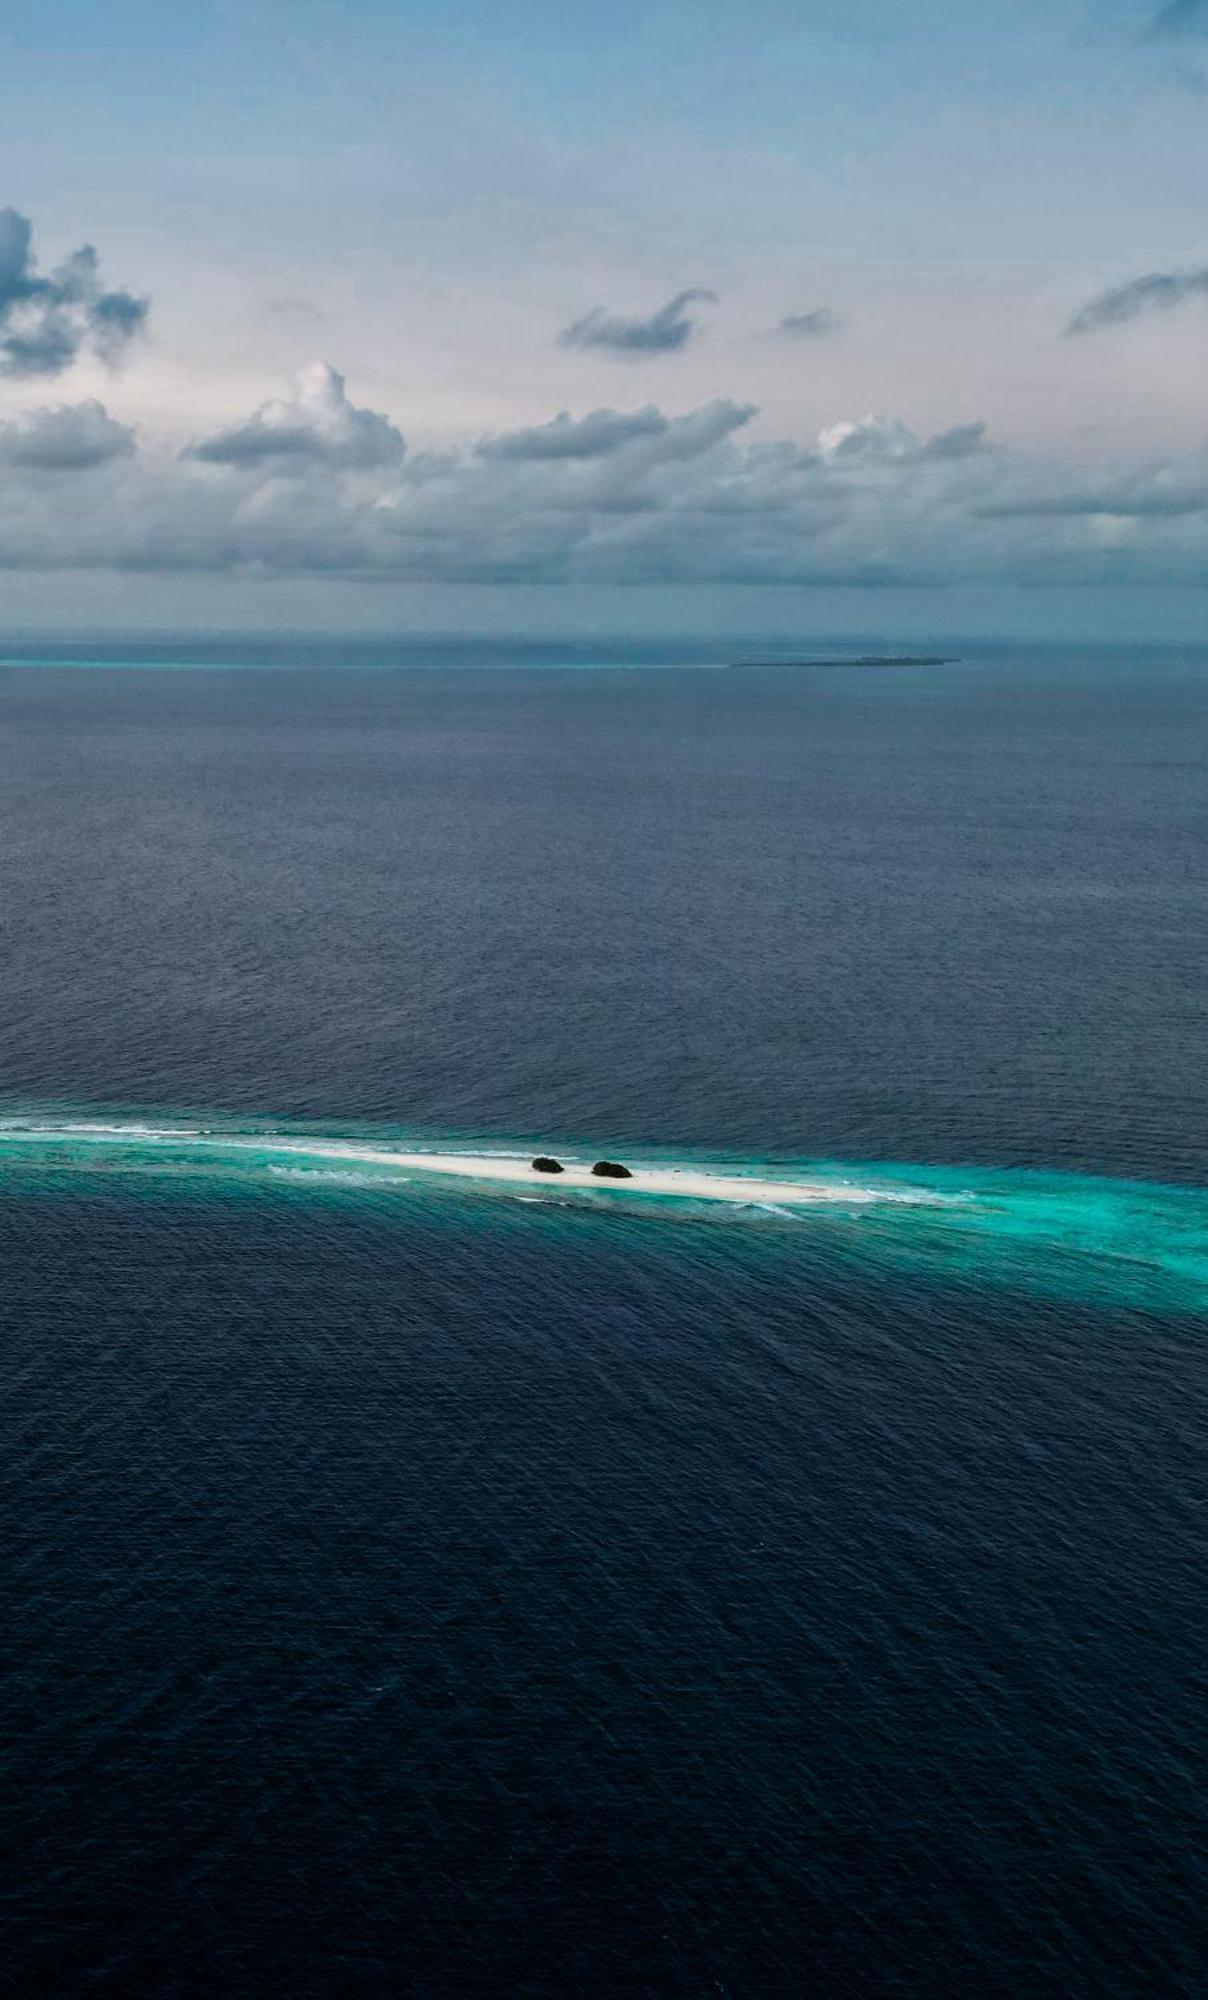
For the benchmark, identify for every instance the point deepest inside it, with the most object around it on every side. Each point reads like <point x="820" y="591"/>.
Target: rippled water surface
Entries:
<point x="414" y="1585"/>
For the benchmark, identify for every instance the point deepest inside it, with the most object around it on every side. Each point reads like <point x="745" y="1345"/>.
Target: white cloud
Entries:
<point x="314" y="423"/>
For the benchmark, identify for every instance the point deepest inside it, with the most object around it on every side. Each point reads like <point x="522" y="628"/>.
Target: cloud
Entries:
<point x="1160" y="493"/>
<point x="810" y="325"/>
<point x="48" y="321"/>
<point x="1179" y="19"/>
<point x="592" y="436"/>
<point x="962" y="441"/>
<point x="873" y="436"/>
<point x="664" y="332"/>
<point x="700" y="430"/>
<point x="73" y="438"/>
<point x="879" y="438"/>
<point x="1188" y="78"/>
<point x="700" y="497"/>
<point x="315" y="424"/>
<point x="1158" y="291"/>
<point x="301" y="311"/>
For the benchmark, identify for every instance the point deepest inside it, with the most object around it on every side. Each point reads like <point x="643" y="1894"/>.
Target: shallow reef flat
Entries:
<point x="1060" y="1234"/>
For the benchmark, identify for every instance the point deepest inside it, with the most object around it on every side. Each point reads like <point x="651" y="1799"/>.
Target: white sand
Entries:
<point x="693" y="1183"/>
<point x="511" y="1169"/>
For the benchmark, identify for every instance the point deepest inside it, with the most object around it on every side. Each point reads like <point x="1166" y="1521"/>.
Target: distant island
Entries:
<point x="864" y="660"/>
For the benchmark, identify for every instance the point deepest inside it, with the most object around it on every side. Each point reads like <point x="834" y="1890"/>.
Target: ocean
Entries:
<point x="428" y="1585"/>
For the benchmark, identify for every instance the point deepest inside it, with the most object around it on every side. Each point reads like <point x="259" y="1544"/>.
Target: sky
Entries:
<point x="684" y="316"/>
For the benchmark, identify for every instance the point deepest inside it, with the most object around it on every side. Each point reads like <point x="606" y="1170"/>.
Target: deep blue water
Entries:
<point x="413" y="1590"/>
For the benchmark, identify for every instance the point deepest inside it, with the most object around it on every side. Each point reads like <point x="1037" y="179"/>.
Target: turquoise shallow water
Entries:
<point x="1067" y="1236"/>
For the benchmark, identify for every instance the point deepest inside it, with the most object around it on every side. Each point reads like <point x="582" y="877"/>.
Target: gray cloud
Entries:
<point x="810" y="325"/>
<point x="1180" y="18"/>
<point x="962" y="441"/>
<point x="315" y="424"/>
<point x="696" y="498"/>
<point x="593" y="436"/>
<point x="47" y="321"/>
<point x="700" y="430"/>
<point x="1159" y="495"/>
<point x="73" y="438"/>
<point x="301" y="311"/>
<point x="1158" y="291"/>
<point x="664" y="332"/>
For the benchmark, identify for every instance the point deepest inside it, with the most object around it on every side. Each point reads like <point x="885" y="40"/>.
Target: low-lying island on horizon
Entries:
<point x="862" y="660"/>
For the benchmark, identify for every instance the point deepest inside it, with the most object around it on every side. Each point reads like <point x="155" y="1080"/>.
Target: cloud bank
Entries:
<point x="312" y="484"/>
<point x="48" y="321"/>
<point x="664" y="332"/>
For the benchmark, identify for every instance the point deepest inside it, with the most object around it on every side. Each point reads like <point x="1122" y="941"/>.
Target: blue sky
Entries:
<point x="426" y="198"/>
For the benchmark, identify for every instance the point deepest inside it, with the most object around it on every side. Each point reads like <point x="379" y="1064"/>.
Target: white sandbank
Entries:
<point x="693" y="1183"/>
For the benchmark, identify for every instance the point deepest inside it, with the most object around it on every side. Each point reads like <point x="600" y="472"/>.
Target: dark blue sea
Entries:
<point x="418" y="1586"/>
